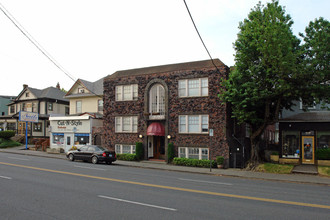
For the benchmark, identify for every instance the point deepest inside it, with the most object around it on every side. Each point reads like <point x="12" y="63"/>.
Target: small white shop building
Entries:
<point x="69" y="131"/>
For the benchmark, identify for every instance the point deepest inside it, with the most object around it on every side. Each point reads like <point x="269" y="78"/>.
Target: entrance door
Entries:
<point x="307" y="149"/>
<point x="69" y="141"/>
<point x="159" y="147"/>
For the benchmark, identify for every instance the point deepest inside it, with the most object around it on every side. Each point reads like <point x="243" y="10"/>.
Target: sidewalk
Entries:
<point x="301" y="178"/>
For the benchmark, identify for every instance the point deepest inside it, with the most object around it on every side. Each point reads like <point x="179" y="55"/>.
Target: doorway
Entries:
<point x="307" y="149"/>
<point x="69" y="141"/>
<point x="156" y="147"/>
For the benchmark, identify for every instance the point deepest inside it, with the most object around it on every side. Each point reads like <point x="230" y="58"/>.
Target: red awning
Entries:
<point x="156" y="129"/>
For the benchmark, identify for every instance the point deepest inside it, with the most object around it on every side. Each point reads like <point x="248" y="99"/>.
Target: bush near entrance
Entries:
<point x="139" y="150"/>
<point x="170" y="152"/>
<point x="323" y="154"/>
<point x="4" y="143"/>
<point x="193" y="162"/>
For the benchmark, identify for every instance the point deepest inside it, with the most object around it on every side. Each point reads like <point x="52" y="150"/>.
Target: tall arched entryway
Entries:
<point x="156" y="108"/>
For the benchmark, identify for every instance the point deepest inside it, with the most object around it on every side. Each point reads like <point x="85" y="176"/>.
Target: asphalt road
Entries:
<point x="45" y="188"/>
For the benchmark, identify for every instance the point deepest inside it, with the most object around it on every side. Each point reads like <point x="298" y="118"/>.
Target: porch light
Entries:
<point x="140" y="136"/>
<point x="168" y="136"/>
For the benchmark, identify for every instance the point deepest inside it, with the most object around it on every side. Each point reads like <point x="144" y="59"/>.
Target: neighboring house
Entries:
<point x="84" y="124"/>
<point x="45" y="102"/>
<point x="302" y="131"/>
<point x="175" y="103"/>
<point x="4" y="101"/>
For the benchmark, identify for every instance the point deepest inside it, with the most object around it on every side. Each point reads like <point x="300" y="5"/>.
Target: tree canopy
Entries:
<point x="316" y="61"/>
<point x="266" y="75"/>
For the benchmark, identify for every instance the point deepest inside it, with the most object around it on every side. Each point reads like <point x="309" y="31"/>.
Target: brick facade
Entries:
<point x="168" y="76"/>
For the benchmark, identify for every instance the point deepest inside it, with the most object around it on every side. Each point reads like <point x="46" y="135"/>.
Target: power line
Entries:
<point x="200" y="37"/>
<point x="39" y="47"/>
<point x="33" y="41"/>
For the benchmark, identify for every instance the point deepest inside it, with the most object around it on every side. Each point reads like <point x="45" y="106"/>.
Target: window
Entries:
<point x="100" y="105"/>
<point x="81" y="90"/>
<point x="193" y="124"/>
<point x="290" y="145"/>
<point x="27" y="94"/>
<point x="193" y="87"/>
<point x="323" y="139"/>
<point x="67" y="110"/>
<point x="58" y="138"/>
<point x="37" y="127"/>
<point x="157" y="100"/>
<point x="194" y="153"/>
<point x="78" y="107"/>
<point x="23" y="107"/>
<point x="34" y="107"/>
<point x="126" y="124"/>
<point x="12" y="109"/>
<point x="124" y="149"/>
<point x="127" y="92"/>
<point x="50" y="106"/>
<point x="81" y="139"/>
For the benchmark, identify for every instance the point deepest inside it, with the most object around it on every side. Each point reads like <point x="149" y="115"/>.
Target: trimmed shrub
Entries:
<point x="193" y="162"/>
<point x="7" y="134"/>
<point x="323" y="154"/>
<point x="139" y="150"/>
<point x="220" y="160"/>
<point x="170" y="152"/>
<point x="127" y="157"/>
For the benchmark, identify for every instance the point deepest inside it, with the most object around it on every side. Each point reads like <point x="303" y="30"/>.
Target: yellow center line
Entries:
<point x="174" y="188"/>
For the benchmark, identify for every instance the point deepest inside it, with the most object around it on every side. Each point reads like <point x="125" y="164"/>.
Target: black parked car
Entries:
<point x="93" y="153"/>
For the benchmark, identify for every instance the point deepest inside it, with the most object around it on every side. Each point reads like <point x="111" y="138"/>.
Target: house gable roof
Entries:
<point x="94" y="88"/>
<point x="47" y="93"/>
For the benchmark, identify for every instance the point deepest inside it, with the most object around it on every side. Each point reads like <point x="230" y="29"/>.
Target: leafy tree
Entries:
<point x="316" y="61"/>
<point x="266" y="75"/>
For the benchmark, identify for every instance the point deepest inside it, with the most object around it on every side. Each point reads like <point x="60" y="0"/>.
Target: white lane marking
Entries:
<point x="92" y="168"/>
<point x="6" y="177"/>
<point x="137" y="203"/>
<point x="202" y="181"/>
<point x="17" y="158"/>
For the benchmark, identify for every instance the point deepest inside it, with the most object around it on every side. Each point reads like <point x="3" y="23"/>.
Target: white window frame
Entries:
<point x="185" y="90"/>
<point x="184" y="152"/>
<point x="184" y="121"/>
<point x="132" y="95"/>
<point x="100" y="105"/>
<point x="80" y="110"/>
<point x="132" y="126"/>
<point x="119" y="148"/>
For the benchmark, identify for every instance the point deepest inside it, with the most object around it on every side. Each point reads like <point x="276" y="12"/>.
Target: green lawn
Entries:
<point x="275" y="168"/>
<point x="324" y="170"/>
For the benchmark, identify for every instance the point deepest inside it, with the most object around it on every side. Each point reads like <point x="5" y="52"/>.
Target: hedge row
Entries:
<point x="193" y="162"/>
<point x="7" y="134"/>
<point x="127" y="157"/>
<point x="323" y="154"/>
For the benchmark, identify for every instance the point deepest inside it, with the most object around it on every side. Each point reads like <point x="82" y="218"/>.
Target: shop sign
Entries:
<point x="69" y="122"/>
<point x="28" y="116"/>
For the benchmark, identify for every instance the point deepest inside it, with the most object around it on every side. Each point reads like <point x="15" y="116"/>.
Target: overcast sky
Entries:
<point x="92" y="39"/>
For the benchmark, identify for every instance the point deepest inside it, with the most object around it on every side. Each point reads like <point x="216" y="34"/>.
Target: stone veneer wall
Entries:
<point x="211" y="105"/>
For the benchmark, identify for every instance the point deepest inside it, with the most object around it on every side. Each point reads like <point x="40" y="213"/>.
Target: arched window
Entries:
<point x="157" y="102"/>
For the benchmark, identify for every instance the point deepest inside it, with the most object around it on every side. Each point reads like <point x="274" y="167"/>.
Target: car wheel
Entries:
<point x="109" y="162"/>
<point x="71" y="157"/>
<point x="95" y="160"/>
